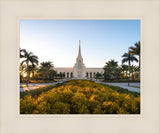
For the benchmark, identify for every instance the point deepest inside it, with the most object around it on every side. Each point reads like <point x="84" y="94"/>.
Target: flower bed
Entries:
<point x="80" y="97"/>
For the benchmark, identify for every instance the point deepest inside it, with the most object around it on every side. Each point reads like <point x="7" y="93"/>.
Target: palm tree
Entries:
<point x="34" y="70"/>
<point x="29" y="70"/>
<point x="128" y="57"/>
<point x="132" y="71"/>
<point x="21" y="70"/>
<point x="29" y="58"/>
<point x="136" y="51"/>
<point x="124" y="69"/>
<point x="118" y="72"/>
<point x="44" y="68"/>
<point x="112" y="63"/>
<point x="21" y="52"/>
<point x="109" y="69"/>
<point x="137" y="69"/>
<point x="52" y="73"/>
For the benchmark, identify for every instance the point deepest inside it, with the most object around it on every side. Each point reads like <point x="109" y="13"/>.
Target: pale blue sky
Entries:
<point x="58" y="40"/>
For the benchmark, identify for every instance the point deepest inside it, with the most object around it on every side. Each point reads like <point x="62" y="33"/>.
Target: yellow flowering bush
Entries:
<point x="81" y="97"/>
<point x="27" y="105"/>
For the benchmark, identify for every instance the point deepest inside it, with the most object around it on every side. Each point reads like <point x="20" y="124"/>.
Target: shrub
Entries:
<point x="60" y="108"/>
<point x="43" y="107"/>
<point x="27" y="105"/>
<point x="80" y="97"/>
<point x="79" y="104"/>
<point x="110" y="107"/>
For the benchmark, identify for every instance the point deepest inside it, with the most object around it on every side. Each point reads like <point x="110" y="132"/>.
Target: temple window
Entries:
<point x="79" y="64"/>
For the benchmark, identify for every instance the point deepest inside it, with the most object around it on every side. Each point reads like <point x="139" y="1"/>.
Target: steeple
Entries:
<point x="79" y="67"/>
<point x="79" y="53"/>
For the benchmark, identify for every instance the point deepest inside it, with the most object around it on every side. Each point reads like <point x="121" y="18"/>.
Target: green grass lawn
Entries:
<point x="79" y="97"/>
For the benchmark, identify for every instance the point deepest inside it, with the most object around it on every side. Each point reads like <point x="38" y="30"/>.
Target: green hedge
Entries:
<point x="122" y="90"/>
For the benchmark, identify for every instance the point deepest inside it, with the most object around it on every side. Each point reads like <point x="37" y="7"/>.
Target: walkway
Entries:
<point x="32" y="86"/>
<point x="133" y="86"/>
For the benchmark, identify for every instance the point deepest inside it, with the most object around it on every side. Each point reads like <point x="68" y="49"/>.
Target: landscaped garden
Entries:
<point x="31" y="72"/>
<point x="79" y="97"/>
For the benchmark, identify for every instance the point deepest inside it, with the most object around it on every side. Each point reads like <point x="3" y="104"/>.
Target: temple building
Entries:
<point x="79" y="70"/>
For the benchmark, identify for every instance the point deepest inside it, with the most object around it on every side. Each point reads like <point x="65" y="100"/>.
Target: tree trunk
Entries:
<point x="27" y="76"/>
<point x="21" y="79"/>
<point x="126" y="74"/>
<point x="44" y="77"/>
<point x="129" y="73"/>
<point x="27" y="79"/>
<point x="132" y="76"/>
<point x="33" y="75"/>
<point x="123" y="74"/>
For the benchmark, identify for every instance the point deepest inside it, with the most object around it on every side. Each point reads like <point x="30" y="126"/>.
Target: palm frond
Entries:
<point x="124" y="60"/>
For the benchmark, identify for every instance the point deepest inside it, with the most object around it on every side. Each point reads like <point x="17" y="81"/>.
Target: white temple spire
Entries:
<point x="79" y="53"/>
